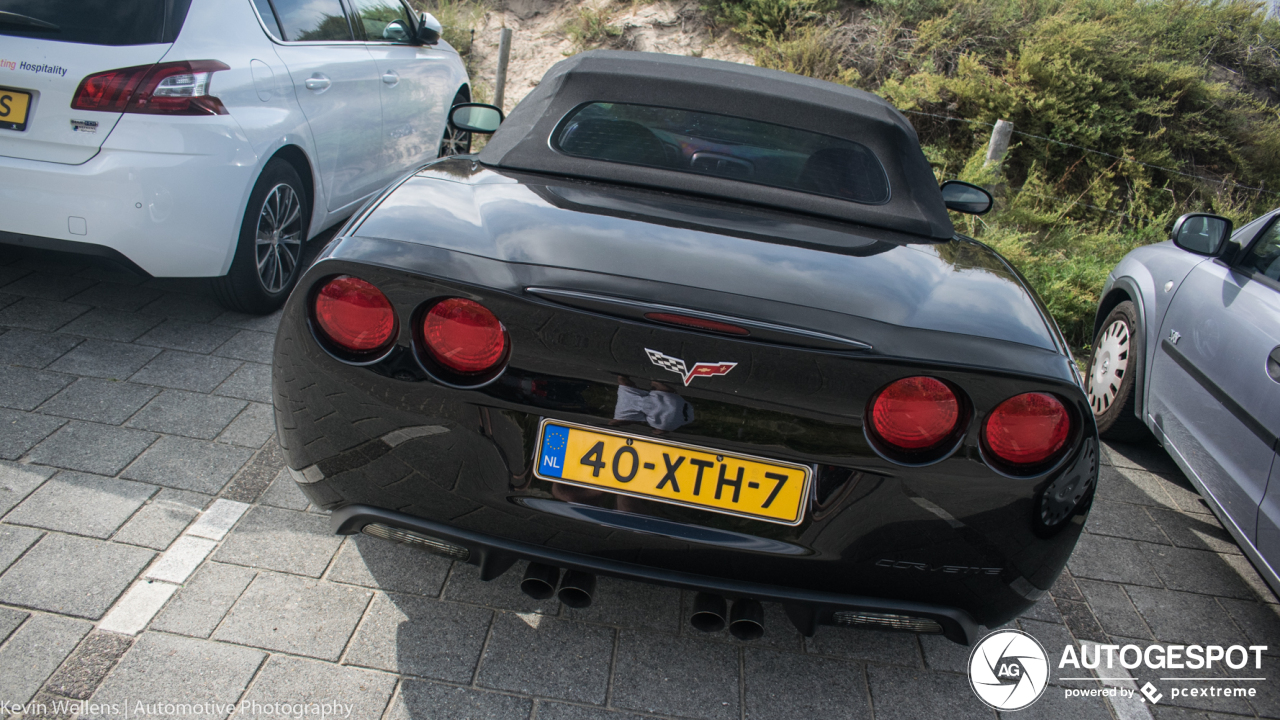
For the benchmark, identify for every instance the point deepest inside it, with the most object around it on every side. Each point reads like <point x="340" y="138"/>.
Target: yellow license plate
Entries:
<point x="673" y="472"/>
<point x="14" y="105"/>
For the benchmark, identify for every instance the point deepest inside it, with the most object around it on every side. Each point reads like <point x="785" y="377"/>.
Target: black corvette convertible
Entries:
<point x="699" y="324"/>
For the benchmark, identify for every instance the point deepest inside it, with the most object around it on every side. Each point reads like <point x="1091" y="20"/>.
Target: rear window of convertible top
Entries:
<point x="726" y="147"/>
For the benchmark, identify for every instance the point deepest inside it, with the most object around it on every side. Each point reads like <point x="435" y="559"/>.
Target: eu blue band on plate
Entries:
<point x="554" y="441"/>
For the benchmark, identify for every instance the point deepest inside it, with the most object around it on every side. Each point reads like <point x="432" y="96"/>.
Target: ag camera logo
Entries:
<point x="1008" y="670"/>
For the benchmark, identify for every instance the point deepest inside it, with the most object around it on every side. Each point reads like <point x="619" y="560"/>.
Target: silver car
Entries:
<point x="1187" y="345"/>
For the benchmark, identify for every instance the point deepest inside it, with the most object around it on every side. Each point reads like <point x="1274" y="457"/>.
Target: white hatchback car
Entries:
<point x="211" y="138"/>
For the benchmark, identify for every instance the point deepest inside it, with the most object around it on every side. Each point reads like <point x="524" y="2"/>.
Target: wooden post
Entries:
<point x="504" y="55"/>
<point x="999" y="145"/>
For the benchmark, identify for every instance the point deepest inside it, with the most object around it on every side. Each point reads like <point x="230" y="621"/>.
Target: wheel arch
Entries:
<point x="296" y="157"/>
<point x="1123" y="289"/>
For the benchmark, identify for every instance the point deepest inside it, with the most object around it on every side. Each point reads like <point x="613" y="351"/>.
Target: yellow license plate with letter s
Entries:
<point x="14" y="106"/>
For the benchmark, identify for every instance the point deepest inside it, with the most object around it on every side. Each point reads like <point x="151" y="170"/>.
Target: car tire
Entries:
<point x="455" y="141"/>
<point x="268" y="256"/>
<point x="1117" y="352"/>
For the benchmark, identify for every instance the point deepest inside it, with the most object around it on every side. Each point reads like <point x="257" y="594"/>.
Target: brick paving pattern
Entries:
<point x="133" y="408"/>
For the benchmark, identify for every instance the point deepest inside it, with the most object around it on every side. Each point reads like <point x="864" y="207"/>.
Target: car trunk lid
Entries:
<point x="737" y="252"/>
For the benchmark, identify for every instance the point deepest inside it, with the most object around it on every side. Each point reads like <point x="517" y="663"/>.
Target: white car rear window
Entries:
<point x="94" y="22"/>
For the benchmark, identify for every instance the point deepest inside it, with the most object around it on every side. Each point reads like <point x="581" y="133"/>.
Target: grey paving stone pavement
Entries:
<point x="104" y="359"/>
<point x="780" y="685"/>
<point x="515" y="658"/>
<point x="36" y="314"/>
<point x="17" y="481"/>
<point x="188" y="464"/>
<point x="128" y="404"/>
<point x="101" y="401"/>
<point x="14" y="541"/>
<point x="295" y="615"/>
<point x="86" y="667"/>
<point x="421" y="637"/>
<point x="162" y="669"/>
<point x="93" y="448"/>
<point x="186" y="413"/>
<point x="663" y="674"/>
<point x="186" y="371"/>
<point x="201" y="604"/>
<point x="249" y="345"/>
<point x="72" y="575"/>
<point x="308" y="681"/>
<point x="902" y="693"/>
<point x="283" y="492"/>
<point x="83" y="504"/>
<point x="23" y="388"/>
<point x="255" y="424"/>
<point x="160" y="521"/>
<point x="22" y="430"/>
<point x="32" y="348"/>
<point x="420" y="699"/>
<point x="10" y="619"/>
<point x="188" y="336"/>
<point x="114" y="325"/>
<point x="282" y="540"/>
<point x="251" y="381"/>
<point x="34" y="651"/>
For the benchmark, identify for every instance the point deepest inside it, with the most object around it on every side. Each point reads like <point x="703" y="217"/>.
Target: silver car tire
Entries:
<point x="269" y="253"/>
<point x="1113" y="367"/>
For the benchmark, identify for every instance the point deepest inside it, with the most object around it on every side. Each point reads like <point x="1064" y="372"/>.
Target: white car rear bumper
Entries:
<point x="169" y="196"/>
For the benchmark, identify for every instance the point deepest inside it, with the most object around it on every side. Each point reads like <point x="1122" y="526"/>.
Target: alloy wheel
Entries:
<point x="455" y="142"/>
<point x="279" y="238"/>
<point x="1110" y="363"/>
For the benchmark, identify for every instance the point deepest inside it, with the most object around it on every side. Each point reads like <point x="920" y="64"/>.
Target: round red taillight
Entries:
<point x="1028" y="429"/>
<point x="915" y="413"/>
<point x="354" y="315"/>
<point x="464" y="336"/>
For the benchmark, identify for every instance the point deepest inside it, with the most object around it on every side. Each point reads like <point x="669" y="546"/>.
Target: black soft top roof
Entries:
<point x="610" y="76"/>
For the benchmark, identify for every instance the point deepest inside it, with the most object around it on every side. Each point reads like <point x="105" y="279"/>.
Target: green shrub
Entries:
<point x="1178" y="96"/>
<point x="765" y="20"/>
<point x="590" y="27"/>
<point x="806" y="51"/>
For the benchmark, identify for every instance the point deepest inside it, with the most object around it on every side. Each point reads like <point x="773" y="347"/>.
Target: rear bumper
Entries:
<point x="173" y="213"/>
<point x="805" y="608"/>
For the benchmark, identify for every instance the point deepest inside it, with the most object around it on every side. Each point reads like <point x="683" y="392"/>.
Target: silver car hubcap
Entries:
<point x="279" y="238"/>
<point x="455" y="142"/>
<point x="1110" y="363"/>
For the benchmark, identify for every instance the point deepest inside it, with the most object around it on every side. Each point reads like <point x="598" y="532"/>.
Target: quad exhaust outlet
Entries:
<point x="746" y="620"/>
<point x="711" y="613"/>
<point x="577" y="588"/>
<point x="540" y="581"/>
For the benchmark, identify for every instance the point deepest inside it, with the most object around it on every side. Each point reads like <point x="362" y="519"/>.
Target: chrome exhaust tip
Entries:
<point x="578" y="589"/>
<point x="709" y="612"/>
<point x="746" y="620"/>
<point x="540" y="581"/>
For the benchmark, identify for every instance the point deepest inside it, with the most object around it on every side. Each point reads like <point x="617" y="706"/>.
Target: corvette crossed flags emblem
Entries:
<point x="676" y="365"/>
